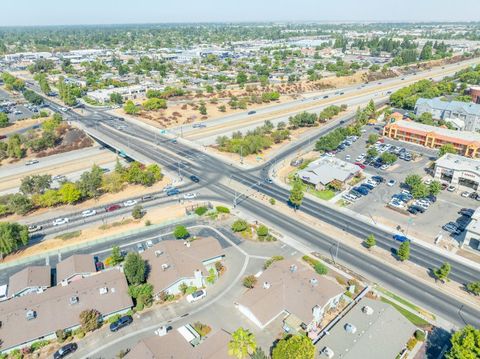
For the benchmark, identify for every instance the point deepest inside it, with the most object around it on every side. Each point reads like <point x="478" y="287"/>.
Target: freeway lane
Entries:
<point x="419" y="255"/>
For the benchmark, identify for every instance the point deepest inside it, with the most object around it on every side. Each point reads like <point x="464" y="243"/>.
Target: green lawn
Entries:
<point x="415" y="319"/>
<point x="407" y="303"/>
<point x="325" y="194"/>
<point x="69" y="235"/>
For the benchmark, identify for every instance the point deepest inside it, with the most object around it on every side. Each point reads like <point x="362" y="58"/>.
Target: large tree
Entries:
<point x="90" y="320"/>
<point x="442" y="272"/>
<point x="90" y="182"/>
<point x="465" y="344"/>
<point x="12" y="236"/>
<point x="134" y="268"/>
<point x="404" y="251"/>
<point x="294" y="346"/>
<point x="242" y="344"/>
<point x="296" y="194"/>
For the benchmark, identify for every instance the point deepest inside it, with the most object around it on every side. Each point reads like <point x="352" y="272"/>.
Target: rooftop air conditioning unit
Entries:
<point x="350" y="328"/>
<point x="313" y="281"/>
<point x="293" y="268"/>
<point x="73" y="300"/>
<point x="328" y="352"/>
<point x="165" y="266"/>
<point x="158" y="253"/>
<point x="31" y="314"/>
<point x="266" y="285"/>
<point x="103" y="290"/>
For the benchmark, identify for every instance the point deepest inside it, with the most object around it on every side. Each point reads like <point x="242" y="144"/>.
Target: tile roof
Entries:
<point x="54" y="311"/>
<point x="34" y="276"/>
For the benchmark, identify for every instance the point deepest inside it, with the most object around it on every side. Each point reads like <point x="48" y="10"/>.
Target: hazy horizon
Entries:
<point x="123" y="12"/>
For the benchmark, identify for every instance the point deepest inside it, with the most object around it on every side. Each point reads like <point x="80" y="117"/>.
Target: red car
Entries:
<point x="113" y="207"/>
<point x="362" y="166"/>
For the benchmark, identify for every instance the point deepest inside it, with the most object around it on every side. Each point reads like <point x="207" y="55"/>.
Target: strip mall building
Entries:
<point x="466" y="143"/>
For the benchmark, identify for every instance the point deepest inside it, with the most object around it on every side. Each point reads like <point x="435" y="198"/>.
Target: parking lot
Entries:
<point x="14" y="110"/>
<point x="372" y="202"/>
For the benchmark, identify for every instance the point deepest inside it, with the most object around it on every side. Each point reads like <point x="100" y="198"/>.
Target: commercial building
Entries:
<point x="472" y="232"/>
<point x="326" y="170"/>
<point x="291" y="291"/>
<point x="372" y="329"/>
<point x="458" y="171"/>
<point x="183" y="343"/>
<point x="33" y="317"/>
<point x="173" y="262"/>
<point x="128" y="92"/>
<point x="466" y="143"/>
<point x="463" y="115"/>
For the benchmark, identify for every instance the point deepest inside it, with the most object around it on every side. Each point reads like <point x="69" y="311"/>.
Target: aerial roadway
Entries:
<point x="216" y="175"/>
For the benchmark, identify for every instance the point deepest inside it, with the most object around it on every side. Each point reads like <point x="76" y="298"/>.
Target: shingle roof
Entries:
<point x="382" y="334"/>
<point x="34" y="276"/>
<point x="454" y="106"/>
<point x="182" y="261"/>
<point x="325" y="170"/>
<point x="173" y="345"/>
<point x="54" y="310"/>
<point x="289" y="291"/>
<point x="73" y="265"/>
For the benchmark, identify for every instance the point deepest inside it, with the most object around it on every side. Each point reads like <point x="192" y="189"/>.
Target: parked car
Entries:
<point x="140" y="248"/>
<point x="391" y="183"/>
<point x="378" y="179"/>
<point x="400" y="238"/>
<point x="194" y="178"/>
<point x="451" y="228"/>
<point x="297" y="162"/>
<point x="113" y="207"/>
<point x="349" y="197"/>
<point x="189" y="195"/>
<point x="362" y="190"/>
<point x="129" y="203"/>
<point x="121" y="322"/>
<point x="465" y="194"/>
<point x="467" y="212"/>
<point x="418" y="208"/>
<point x="149" y="243"/>
<point x="60" y="221"/>
<point x="369" y="186"/>
<point x="451" y="188"/>
<point x="34" y="228"/>
<point x="173" y="192"/>
<point x="65" y="350"/>
<point x="362" y="166"/>
<point x="89" y="212"/>
<point x="195" y="296"/>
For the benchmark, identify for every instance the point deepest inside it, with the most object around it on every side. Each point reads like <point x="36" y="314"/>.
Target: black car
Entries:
<point x="195" y="179"/>
<point x="252" y="112"/>
<point x="65" y="350"/>
<point x="467" y="212"/>
<point x="418" y="209"/>
<point x="121" y="322"/>
<point x="413" y="210"/>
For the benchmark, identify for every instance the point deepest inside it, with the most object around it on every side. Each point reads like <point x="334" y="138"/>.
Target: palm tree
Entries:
<point x="242" y="344"/>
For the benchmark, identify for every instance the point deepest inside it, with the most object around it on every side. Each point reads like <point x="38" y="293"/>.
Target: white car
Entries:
<point x="349" y="197"/>
<point x="372" y="183"/>
<point x="149" y="243"/>
<point x="347" y="157"/>
<point x="199" y="294"/>
<point x="384" y="167"/>
<point x="89" y="212"/>
<point x="129" y="203"/>
<point x="60" y="221"/>
<point x="451" y="188"/>
<point x="190" y="195"/>
<point x="391" y="183"/>
<point x="465" y="194"/>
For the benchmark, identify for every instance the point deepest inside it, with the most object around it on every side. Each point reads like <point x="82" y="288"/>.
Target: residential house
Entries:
<point x="74" y="268"/>
<point x="173" y="263"/>
<point x="178" y="345"/>
<point x="33" y="279"/>
<point x="29" y="318"/>
<point x="292" y="291"/>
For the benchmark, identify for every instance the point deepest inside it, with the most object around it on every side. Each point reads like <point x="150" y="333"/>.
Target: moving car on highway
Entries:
<point x="129" y="203"/>
<point x="89" y="212"/>
<point x="34" y="228"/>
<point x="60" y="221"/>
<point x="31" y="162"/>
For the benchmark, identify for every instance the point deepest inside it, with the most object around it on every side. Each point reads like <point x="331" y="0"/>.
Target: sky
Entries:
<point x="70" y="12"/>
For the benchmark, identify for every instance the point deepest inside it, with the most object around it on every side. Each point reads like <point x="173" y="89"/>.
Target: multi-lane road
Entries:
<point x="215" y="174"/>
